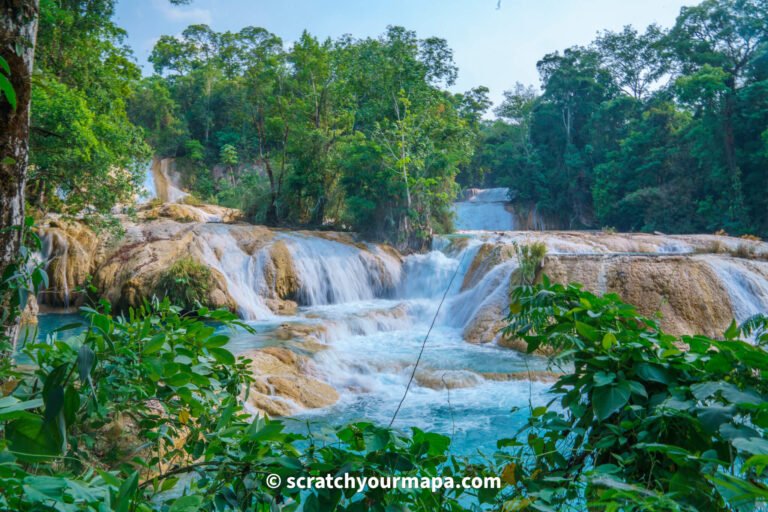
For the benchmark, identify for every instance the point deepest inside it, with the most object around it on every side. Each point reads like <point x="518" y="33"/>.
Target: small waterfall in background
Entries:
<point x="484" y="209"/>
<point x="148" y="190"/>
<point x="166" y="181"/>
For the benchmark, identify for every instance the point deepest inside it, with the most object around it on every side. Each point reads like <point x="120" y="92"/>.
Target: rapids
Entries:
<point x="359" y="312"/>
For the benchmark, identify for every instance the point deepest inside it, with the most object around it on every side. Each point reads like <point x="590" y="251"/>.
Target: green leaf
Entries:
<point x="127" y="492"/>
<point x="607" y="400"/>
<point x="216" y="341"/>
<point x="187" y="504"/>
<point x="732" y="332"/>
<point x="39" y="277"/>
<point x="71" y="404"/>
<point x="753" y="445"/>
<point x="12" y="408"/>
<point x="154" y="344"/>
<point x="85" y="360"/>
<point x="652" y="373"/>
<point x="4" y="66"/>
<point x="603" y="378"/>
<point x="587" y="331"/>
<point x="7" y="89"/>
<point x="609" y="340"/>
<point x="32" y="439"/>
<point x="759" y="462"/>
<point x="712" y="418"/>
<point x="222" y="355"/>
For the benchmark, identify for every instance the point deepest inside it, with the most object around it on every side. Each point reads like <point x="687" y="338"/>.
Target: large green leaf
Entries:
<point x="187" y="504"/>
<point x="753" y="445"/>
<point x="652" y="373"/>
<point x="222" y="355"/>
<point x="11" y="407"/>
<point x="33" y="439"/>
<point x="607" y="400"/>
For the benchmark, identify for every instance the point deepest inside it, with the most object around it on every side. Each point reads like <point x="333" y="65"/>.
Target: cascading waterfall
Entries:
<point x="484" y="209"/>
<point x="330" y="272"/>
<point x="746" y="282"/>
<point x="55" y="253"/>
<point x="243" y="272"/>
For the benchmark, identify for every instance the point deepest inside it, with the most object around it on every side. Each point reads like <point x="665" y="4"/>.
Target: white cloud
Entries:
<point x="193" y="15"/>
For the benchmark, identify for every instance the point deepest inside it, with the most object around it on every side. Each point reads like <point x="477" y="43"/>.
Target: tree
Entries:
<point x="635" y="60"/>
<point x="18" y="28"/>
<point x="716" y="43"/>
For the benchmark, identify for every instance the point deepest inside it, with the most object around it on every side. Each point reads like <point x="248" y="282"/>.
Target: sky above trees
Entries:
<point x="492" y="47"/>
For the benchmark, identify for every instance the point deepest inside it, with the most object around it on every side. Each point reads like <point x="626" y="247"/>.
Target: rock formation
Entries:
<point x="283" y="384"/>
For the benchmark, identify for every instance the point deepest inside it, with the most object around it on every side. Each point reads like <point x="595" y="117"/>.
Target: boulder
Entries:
<point x="283" y="383"/>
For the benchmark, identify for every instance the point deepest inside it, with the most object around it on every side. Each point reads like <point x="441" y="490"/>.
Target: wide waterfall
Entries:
<point x="359" y="312"/>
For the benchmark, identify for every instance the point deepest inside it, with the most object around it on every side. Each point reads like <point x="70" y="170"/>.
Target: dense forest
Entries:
<point x="655" y="129"/>
<point x="147" y="408"/>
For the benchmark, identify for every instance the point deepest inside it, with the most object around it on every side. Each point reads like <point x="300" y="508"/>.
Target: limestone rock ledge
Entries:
<point x="284" y="383"/>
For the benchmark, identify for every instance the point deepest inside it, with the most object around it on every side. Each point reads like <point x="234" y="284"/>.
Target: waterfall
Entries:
<point x="746" y="282"/>
<point x="243" y="272"/>
<point x="55" y="255"/>
<point x="166" y="181"/>
<point x="331" y="272"/>
<point x="484" y="209"/>
<point x="148" y="189"/>
<point x="491" y="290"/>
<point x="327" y="271"/>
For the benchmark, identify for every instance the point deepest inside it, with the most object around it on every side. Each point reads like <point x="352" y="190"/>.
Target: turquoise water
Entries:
<point x="47" y="323"/>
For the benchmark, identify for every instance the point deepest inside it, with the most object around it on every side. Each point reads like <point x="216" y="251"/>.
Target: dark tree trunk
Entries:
<point x="18" y="30"/>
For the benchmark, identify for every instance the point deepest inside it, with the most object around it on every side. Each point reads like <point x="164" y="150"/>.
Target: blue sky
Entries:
<point x="492" y="47"/>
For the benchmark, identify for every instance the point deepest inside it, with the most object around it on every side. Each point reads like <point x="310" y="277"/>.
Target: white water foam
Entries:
<point x="746" y="282"/>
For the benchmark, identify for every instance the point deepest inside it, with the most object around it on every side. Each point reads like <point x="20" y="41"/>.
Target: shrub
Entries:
<point x="743" y="251"/>
<point x="192" y="200"/>
<point x="530" y="258"/>
<point x="186" y="283"/>
<point x="645" y="420"/>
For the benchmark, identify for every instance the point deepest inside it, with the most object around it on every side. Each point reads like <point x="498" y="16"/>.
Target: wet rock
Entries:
<point x="487" y="257"/>
<point x="447" y="379"/>
<point x="282" y="272"/>
<point x="284" y="383"/>
<point x="186" y="213"/>
<point x="73" y="251"/>
<point x="685" y="290"/>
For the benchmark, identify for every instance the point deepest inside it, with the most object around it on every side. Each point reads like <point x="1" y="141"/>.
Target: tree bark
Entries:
<point x="18" y="31"/>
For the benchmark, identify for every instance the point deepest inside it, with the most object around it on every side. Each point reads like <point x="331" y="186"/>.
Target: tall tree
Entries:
<point x="716" y="43"/>
<point x="18" y="30"/>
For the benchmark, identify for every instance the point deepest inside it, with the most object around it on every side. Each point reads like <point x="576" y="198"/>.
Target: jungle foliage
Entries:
<point x="351" y="133"/>
<point x="662" y="129"/>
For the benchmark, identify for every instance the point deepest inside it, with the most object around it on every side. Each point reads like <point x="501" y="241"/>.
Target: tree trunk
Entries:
<point x="18" y="31"/>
